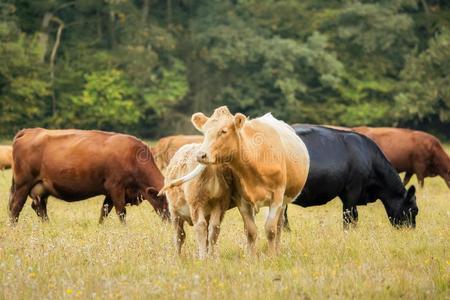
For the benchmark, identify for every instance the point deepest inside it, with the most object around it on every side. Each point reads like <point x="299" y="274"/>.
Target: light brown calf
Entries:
<point x="201" y="202"/>
<point x="5" y="157"/>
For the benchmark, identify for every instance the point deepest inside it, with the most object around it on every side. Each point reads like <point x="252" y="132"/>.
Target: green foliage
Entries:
<point x="145" y="66"/>
<point x="168" y="89"/>
<point x="105" y="103"/>
<point x="24" y="87"/>
<point x="425" y="88"/>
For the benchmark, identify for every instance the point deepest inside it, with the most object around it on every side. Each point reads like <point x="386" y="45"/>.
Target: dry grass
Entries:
<point x="74" y="257"/>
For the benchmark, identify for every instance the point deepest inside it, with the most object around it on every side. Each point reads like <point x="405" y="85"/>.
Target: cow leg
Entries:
<point x="349" y="199"/>
<point x="271" y="226"/>
<point x="201" y="231"/>
<point x="180" y="234"/>
<point x="39" y="205"/>
<point x="280" y="227"/>
<point x="421" y="172"/>
<point x="421" y="180"/>
<point x="350" y="215"/>
<point x="214" y="227"/>
<point x="106" y="209"/>
<point x="248" y="217"/>
<point x="17" y="199"/>
<point x="118" y="199"/>
<point x="407" y="178"/>
<point x="286" y="225"/>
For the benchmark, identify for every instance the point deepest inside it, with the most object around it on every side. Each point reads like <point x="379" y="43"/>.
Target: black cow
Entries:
<point x="350" y="166"/>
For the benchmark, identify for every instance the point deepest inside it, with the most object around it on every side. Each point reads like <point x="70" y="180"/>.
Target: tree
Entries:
<point x="24" y="85"/>
<point x="424" y="92"/>
<point x="105" y="103"/>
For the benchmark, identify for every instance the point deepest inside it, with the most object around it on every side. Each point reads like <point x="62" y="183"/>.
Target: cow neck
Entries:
<point x="393" y="191"/>
<point x="156" y="178"/>
<point x="152" y="176"/>
<point x="245" y="166"/>
<point x="391" y="207"/>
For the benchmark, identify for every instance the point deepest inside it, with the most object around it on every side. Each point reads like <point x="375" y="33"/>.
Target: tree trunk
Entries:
<point x="145" y="10"/>
<point x="43" y="35"/>
<point x="169" y="13"/>
<point x="427" y="14"/>
<point x="99" y="26"/>
<point x="112" y="29"/>
<point x="53" y="58"/>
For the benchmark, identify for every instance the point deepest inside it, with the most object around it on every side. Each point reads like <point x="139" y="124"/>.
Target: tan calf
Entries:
<point x="201" y="202"/>
<point x="5" y="157"/>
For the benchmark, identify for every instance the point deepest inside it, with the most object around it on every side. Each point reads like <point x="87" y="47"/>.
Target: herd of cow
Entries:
<point x="237" y="162"/>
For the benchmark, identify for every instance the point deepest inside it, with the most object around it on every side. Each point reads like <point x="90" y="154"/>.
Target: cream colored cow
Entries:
<point x="201" y="202"/>
<point x="270" y="165"/>
<point x="5" y="157"/>
<point x="167" y="146"/>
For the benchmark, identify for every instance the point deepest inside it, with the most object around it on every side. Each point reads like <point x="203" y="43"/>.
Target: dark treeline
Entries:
<point x="144" y="66"/>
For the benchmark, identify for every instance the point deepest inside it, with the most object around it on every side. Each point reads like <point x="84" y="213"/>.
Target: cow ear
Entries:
<point x="199" y="119"/>
<point x="239" y="120"/>
<point x="411" y="192"/>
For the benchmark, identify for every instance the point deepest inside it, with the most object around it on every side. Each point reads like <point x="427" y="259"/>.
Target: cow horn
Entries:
<point x="194" y="173"/>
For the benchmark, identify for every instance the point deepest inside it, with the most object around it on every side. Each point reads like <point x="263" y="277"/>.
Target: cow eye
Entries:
<point x="223" y="131"/>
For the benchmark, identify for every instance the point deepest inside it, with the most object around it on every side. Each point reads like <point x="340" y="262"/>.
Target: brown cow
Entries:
<point x="167" y="146"/>
<point x="201" y="202"/>
<point x="411" y="151"/>
<point x="5" y="157"/>
<point x="74" y="165"/>
<point x="269" y="162"/>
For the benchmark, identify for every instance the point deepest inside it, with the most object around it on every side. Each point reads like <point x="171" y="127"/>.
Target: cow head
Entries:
<point x="159" y="202"/>
<point x="405" y="216"/>
<point x="221" y="132"/>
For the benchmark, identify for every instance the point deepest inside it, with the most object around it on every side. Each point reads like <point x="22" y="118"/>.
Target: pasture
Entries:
<point x="74" y="257"/>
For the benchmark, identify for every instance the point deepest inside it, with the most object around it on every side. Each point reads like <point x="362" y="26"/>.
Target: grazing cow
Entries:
<point x="167" y="146"/>
<point x="268" y="160"/>
<point x="201" y="202"/>
<point x="411" y="151"/>
<point x="350" y="166"/>
<point x="74" y="165"/>
<point x="5" y="157"/>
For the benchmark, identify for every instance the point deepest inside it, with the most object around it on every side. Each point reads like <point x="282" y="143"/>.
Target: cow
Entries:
<point x="350" y="166"/>
<point x="201" y="202"/>
<point x="411" y="151"/>
<point x="268" y="160"/>
<point x="5" y="157"/>
<point x="169" y="145"/>
<point x="74" y="165"/>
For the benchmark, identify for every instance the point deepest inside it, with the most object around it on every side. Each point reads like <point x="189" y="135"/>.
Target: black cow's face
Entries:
<point x="406" y="216"/>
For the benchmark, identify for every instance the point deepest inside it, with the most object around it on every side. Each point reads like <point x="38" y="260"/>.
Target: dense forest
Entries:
<point x="144" y="66"/>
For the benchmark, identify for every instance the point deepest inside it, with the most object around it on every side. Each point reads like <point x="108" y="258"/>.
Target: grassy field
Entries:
<point x="74" y="257"/>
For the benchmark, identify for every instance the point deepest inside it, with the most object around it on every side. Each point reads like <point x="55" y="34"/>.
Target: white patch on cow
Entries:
<point x="273" y="211"/>
<point x="293" y="144"/>
<point x="214" y="186"/>
<point x="184" y="211"/>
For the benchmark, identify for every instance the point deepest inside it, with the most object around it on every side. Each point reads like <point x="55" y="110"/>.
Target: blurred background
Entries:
<point x="144" y="66"/>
